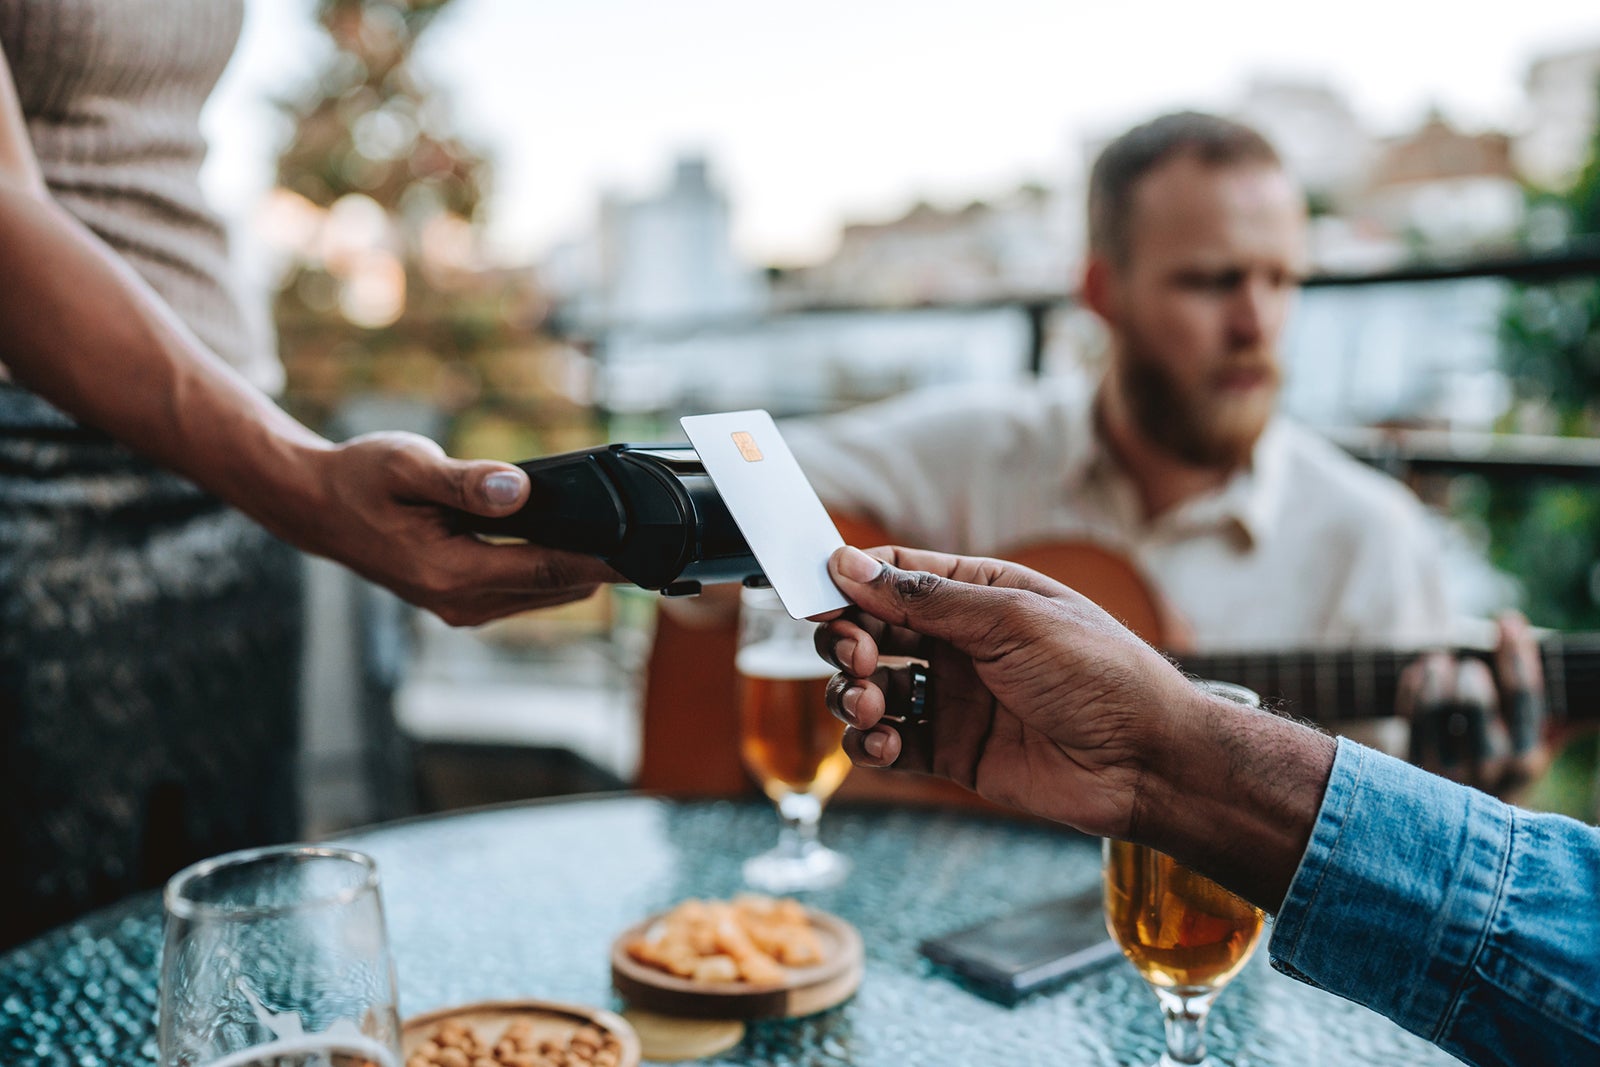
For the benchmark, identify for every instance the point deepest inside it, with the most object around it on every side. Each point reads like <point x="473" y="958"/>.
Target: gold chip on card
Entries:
<point x="747" y="446"/>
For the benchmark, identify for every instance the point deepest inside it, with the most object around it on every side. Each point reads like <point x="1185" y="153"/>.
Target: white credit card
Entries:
<point x="783" y="522"/>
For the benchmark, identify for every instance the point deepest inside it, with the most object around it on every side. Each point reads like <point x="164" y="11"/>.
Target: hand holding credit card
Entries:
<point x="786" y="526"/>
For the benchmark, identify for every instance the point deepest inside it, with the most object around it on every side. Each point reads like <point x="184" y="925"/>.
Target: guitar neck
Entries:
<point x="1335" y="685"/>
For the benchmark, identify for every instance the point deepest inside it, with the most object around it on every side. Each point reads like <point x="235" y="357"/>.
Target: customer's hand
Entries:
<point x="390" y="505"/>
<point x="1039" y="699"/>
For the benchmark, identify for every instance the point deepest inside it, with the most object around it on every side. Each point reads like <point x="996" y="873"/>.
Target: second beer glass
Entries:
<point x="789" y="742"/>
<point x="1186" y="935"/>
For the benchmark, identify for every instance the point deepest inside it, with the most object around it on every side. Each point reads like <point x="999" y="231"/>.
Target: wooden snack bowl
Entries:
<point x="550" y="1020"/>
<point x="807" y="991"/>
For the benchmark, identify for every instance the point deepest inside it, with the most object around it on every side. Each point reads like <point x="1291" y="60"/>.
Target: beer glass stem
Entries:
<point x="1185" y="1015"/>
<point x="800" y="813"/>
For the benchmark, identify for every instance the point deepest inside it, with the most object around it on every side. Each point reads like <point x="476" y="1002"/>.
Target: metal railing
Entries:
<point x="1395" y="450"/>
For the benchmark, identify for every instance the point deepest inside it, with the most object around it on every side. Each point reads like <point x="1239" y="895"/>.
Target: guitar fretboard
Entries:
<point x="1333" y="685"/>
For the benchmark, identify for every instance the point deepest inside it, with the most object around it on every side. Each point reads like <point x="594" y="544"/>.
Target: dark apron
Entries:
<point x="149" y="672"/>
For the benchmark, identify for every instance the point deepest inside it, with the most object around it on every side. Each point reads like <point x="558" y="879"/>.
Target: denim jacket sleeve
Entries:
<point x="1471" y="923"/>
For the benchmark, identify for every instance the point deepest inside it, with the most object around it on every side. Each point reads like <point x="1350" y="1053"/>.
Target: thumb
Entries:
<point x="416" y="469"/>
<point x="488" y="488"/>
<point x="967" y="616"/>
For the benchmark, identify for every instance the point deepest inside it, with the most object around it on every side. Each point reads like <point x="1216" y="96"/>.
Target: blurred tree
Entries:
<point x="385" y="292"/>
<point x="368" y="127"/>
<point x="1549" y="536"/>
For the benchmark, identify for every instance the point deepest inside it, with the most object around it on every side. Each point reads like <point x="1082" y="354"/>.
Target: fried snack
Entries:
<point x="751" y="939"/>
<point x="780" y="929"/>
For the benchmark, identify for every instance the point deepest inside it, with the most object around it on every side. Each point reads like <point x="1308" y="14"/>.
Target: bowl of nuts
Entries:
<point x="519" y="1033"/>
<point x="748" y="958"/>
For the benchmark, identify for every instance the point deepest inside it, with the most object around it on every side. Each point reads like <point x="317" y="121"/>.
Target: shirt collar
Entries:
<point x="1263" y="485"/>
<point x="1249" y="501"/>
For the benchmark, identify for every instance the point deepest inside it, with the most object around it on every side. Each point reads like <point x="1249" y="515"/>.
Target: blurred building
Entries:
<point x="1563" y="109"/>
<point x="1026" y="242"/>
<point x="663" y="258"/>
<point x="1324" y="144"/>
<point x="1442" y="190"/>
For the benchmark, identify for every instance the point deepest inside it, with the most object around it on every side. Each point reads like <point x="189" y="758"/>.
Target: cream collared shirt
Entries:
<point x="1307" y="547"/>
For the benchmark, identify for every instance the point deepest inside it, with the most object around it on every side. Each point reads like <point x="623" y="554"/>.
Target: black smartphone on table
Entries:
<point x="1021" y="952"/>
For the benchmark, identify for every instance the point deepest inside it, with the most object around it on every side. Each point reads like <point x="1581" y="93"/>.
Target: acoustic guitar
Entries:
<point x="690" y="735"/>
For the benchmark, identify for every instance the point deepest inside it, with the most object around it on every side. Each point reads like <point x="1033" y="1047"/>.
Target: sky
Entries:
<point x="824" y="111"/>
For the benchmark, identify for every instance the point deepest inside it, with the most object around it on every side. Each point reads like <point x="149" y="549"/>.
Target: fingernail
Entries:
<point x="502" y="487"/>
<point x="873" y="744"/>
<point x="848" y="701"/>
<point x="857" y="566"/>
<point x="844" y="652"/>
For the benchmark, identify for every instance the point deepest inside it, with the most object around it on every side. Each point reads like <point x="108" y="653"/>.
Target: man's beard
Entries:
<point x="1200" y="425"/>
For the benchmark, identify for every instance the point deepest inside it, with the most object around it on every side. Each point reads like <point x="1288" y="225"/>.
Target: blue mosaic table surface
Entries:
<point x="524" y="901"/>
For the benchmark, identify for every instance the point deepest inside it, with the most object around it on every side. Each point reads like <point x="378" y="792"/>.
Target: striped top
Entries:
<point x="112" y="92"/>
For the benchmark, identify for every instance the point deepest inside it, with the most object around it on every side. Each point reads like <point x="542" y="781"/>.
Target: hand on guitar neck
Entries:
<point x="1470" y="724"/>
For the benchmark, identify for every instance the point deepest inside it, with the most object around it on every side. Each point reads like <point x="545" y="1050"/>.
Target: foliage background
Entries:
<point x="1547" y="535"/>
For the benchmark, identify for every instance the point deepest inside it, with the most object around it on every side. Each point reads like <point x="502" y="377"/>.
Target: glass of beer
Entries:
<point x="789" y="741"/>
<point x="1184" y="933"/>
<point x="277" y="957"/>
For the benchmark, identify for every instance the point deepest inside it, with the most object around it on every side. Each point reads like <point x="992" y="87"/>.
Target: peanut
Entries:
<point x="456" y="1045"/>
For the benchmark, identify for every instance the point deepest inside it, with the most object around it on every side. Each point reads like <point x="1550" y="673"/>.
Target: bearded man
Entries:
<point x="1257" y="533"/>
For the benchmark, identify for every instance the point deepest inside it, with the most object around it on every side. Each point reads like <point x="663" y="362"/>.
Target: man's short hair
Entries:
<point x="1211" y="139"/>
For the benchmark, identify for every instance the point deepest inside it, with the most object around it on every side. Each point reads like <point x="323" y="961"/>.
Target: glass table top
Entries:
<point x="524" y="901"/>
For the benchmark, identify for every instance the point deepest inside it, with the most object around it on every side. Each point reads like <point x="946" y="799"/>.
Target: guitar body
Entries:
<point x="1108" y="579"/>
<point x="690" y="704"/>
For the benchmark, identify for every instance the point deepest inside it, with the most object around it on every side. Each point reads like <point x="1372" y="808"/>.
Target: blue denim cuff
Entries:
<point x="1393" y="899"/>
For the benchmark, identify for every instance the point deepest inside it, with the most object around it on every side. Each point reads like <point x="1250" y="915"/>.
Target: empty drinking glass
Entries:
<point x="277" y="956"/>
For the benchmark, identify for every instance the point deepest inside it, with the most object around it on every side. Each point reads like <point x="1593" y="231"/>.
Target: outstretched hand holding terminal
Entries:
<point x="86" y="333"/>
<point x="1467" y="921"/>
